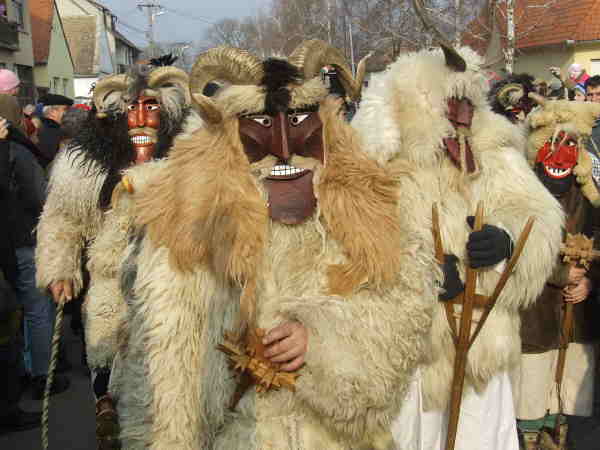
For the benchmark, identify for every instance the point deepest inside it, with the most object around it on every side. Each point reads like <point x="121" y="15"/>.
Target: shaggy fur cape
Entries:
<point x="403" y="122"/>
<point x="351" y="275"/>
<point x="72" y="223"/>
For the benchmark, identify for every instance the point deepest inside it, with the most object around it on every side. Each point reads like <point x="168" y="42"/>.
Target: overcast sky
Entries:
<point x="187" y="20"/>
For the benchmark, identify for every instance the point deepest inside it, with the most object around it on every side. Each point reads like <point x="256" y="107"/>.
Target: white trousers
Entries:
<point x="487" y="420"/>
<point x="536" y="388"/>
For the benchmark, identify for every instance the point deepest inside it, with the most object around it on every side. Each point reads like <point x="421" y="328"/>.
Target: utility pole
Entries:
<point x="351" y="45"/>
<point x="153" y="9"/>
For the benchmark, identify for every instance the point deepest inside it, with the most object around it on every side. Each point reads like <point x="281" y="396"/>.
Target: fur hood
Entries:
<point x="413" y="124"/>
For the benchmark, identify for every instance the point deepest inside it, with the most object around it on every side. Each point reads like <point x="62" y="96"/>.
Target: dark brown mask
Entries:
<point x="291" y="195"/>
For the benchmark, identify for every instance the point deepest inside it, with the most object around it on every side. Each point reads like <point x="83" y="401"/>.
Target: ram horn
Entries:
<point x="312" y="55"/>
<point x="105" y="87"/>
<point x="453" y="59"/>
<point x="226" y="64"/>
<point x="169" y="75"/>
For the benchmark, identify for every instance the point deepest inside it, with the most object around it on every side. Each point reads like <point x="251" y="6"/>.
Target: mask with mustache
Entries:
<point x="143" y="120"/>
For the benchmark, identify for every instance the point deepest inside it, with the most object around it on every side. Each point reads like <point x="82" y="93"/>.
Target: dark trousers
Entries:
<point x="10" y="381"/>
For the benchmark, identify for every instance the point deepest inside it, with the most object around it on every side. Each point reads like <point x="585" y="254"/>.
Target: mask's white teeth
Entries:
<point x="285" y="170"/>
<point x="141" y="139"/>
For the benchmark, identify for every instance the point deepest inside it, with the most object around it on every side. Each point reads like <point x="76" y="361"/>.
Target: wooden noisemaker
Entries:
<point x="463" y="343"/>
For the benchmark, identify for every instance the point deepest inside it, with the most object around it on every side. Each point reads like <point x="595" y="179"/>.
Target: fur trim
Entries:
<point x="402" y="120"/>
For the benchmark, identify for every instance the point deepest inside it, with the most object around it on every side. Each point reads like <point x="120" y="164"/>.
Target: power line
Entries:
<point x="130" y="27"/>
<point x="187" y="15"/>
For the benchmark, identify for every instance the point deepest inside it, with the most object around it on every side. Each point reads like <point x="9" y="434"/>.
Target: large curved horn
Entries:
<point x="540" y="100"/>
<point x="510" y="95"/>
<point x="106" y="86"/>
<point x="162" y="76"/>
<point x="453" y="59"/>
<point x="312" y="55"/>
<point x="222" y="63"/>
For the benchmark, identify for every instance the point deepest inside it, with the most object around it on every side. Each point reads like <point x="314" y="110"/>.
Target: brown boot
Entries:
<point x="107" y="424"/>
<point x="530" y="440"/>
<point x="550" y="442"/>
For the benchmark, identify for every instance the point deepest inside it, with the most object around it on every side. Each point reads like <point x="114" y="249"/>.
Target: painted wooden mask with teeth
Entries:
<point x="555" y="162"/>
<point x="276" y="103"/>
<point x="143" y="119"/>
<point x="285" y="135"/>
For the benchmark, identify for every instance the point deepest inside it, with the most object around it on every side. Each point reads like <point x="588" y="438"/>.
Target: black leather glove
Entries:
<point x="489" y="246"/>
<point x="452" y="283"/>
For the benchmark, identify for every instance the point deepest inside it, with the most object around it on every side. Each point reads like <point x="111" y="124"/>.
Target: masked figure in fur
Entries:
<point x="136" y="117"/>
<point x="272" y="236"/>
<point x="510" y="97"/>
<point x="557" y="153"/>
<point x="428" y="120"/>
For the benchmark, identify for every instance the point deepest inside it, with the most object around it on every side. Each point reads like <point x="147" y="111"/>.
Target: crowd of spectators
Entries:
<point x="30" y="138"/>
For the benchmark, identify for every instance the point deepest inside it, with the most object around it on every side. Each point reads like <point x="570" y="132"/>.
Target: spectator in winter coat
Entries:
<point x="12" y="417"/>
<point x="50" y="135"/>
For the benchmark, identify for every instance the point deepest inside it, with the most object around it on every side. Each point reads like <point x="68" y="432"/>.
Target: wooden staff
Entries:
<point x="439" y="256"/>
<point x="578" y="250"/>
<point x="462" y="346"/>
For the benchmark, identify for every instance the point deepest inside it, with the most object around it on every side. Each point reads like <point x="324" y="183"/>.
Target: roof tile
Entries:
<point x="537" y="25"/>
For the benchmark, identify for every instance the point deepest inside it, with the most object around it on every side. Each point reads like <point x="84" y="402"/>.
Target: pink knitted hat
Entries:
<point x="8" y="80"/>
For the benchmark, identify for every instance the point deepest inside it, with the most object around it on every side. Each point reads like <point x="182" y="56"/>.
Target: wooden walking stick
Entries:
<point x="462" y="345"/>
<point x="464" y="341"/>
<point x="578" y="250"/>
<point x="439" y="256"/>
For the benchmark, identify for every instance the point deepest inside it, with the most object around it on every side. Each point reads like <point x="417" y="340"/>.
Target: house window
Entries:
<point x="55" y="82"/>
<point x="20" y="12"/>
<point x="65" y="86"/>
<point x="27" y="90"/>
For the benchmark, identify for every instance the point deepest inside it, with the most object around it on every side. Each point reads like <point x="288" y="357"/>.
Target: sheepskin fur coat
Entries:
<point x="361" y="284"/>
<point x="403" y="121"/>
<point x="72" y="223"/>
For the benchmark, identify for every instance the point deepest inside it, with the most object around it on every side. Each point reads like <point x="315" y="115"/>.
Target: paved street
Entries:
<point x="71" y="413"/>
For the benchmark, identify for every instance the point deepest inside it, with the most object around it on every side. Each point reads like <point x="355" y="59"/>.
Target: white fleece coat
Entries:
<point x="402" y="121"/>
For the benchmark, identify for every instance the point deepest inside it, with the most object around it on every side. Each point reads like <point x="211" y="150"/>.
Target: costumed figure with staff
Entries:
<point x="427" y="119"/>
<point x="270" y="246"/>
<point x="559" y="330"/>
<point x="135" y="119"/>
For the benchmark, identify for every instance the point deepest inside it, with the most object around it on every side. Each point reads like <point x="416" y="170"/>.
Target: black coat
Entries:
<point x="49" y="137"/>
<point x="28" y="187"/>
<point x="8" y="261"/>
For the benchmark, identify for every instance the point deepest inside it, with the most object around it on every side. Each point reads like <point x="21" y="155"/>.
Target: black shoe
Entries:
<point x="63" y="365"/>
<point x="61" y="384"/>
<point x="20" y="421"/>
